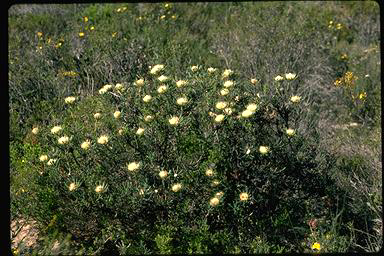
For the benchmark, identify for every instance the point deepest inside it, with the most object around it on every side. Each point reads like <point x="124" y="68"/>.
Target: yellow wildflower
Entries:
<point x="156" y="69"/>
<point x="253" y="81"/>
<point x="224" y="91"/>
<point x="181" y="83"/>
<point x="339" y="26"/>
<point x="244" y="196"/>
<point x="215" y="183"/>
<point x="147" y="98"/>
<point x="139" y="82"/>
<point x="133" y="166"/>
<point x="81" y="34"/>
<point x="43" y="158"/>
<point x="39" y="34"/>
<point x="247" y="113"/>
<point x="102" y="139"/>
<point x="211" y="70"/>
<point x="194" y="68"/>
<point x="176" y="187"/>
<point x="219" y="194"/>
<point x="295" y="99"/>
<point x="51" y="161"/>
<point x="362" y="95"/>
<point x="72" y="186"/>
<point x="100" y="188"/>
<point x="228" y="83"/>
<point x="182" y="101"/>
<point x="290" y="76"/>
<point x="97" y="115"/>
<point x="264" y="149"/>
<point x="174" y="120"/>
<point x="92" y="28"/>
<point x="163" y="174"/>
<point x="85" y="19"/>
<point x="219" y="118"/>
<point x="140" y="131"/>
<point x="55" y="129"/>
<point x="290" y="132"/>
<point x="209" y="172"/>
<point x="69" y="100"/>
<point x="228" y="111"/>
<point x="162" y="17"/>
<point x="162" y="78"/>
<point x="161" y="89"/>
<point x="279" y="78"/>
<point x="316" y="246"/>
<point x="119" y="87"/>
<point x="227" y="73"/>
<point x="35" y="130"/>
<point x="221" y="105"/>
<point x="63" y="140"/>
<point x="214" y="201"/>
<point x="148" y="118"/>
<point x="252" y="107"/>
<point x="86" y="144"/>
<point x="117" y="114"/>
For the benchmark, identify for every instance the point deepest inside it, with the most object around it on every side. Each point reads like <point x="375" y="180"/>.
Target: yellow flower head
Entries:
<point x="228" y="83"/>
<point x="194" y="68"/>
<point x="81" y="34"/>
<point x="105" y="88"/>
<point x="147" y="98"/>
<point x="117" y="114"/>
<point x="92" y="28"/>
<point x="362" y="95"/>
<point x="35" y="130"/>
<point x="228" y="111"/>
<point x="140" y="131"/>
<point x="279" y="78"/>
<point x="51" y="161"/>
<point x="181" y="83"/>
<point x="339" y="26"/>
<point x="316" y="246"/>
<point x="119" y="87"/>
<point x="55" y="129"/>
<point x="43" y="158"/>
<point x="133" y="166"/>
<point x="97" y="115"/>
<point x="139" y="82"/>
<point x="162" y="78"/>
<point x="215" y="183"/>
<point x="69" y="100"/>
<point x="227" y="73"/>
<point x="102" y="139"/>
<point x="156" y="69"/>
<point x="63" y="140"/>
<point x="162" y="17"/>
<point x="85" y="19"/>
<point x="224" y="91"/>
<point x="264" y="149"/>
<point x="219" y="118"/>
<point x="211" y="70"/>
<point x="120" y="131"/>
<point x="163" y="174"/>
<point x="219" y="194"/>
<point x="252" y="107"/>
<point x="295" y="99"/>
<point x="39" y="34"/>
<point x="221" y="105"/>
<point x="100" y="188"/>
<point x="290" y="132"/>
<point x="244" y="196"/>
<point x="72" y="186"/>
<point x="176" y="187"/>
<point x="174" y="120"/>
<point x="148" y="118"/>
<point x="86" y="144"/>
<point x="253" y="81"/>
<point x="182" y="101"/>
<point x="214" y="201"/>
<point x="247" y="113"/>
<point x="209" y="172"/>
<point x="290" y="76"/>
<point x="161" y="89"/>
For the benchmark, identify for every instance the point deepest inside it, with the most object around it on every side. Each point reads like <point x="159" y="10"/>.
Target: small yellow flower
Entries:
<point x="100" y="188"/>
<point x="316" y="246"/>
<point x="339" y="26"/>
<point x="39" y="34"/>
<point x="133" y="166"/>
<point x="35" y="130"/>
<point x="214" y="201"/>
<point x="194" y="68"/>
<point x="244" y="196"/>
<point x="58" y="45"/>
<point x="344" y="56"/>
<point x="55" y="129"/>
<point x="228" y="83"/>
<point x="215" y="183"/>
<point x="263" y="149"/>
<point x="85" y="19"/>
<point x="338" y="82"/>
<point x="119" y="87"/>
<point x="72" y="186"/>
<point x="252" y="107"/>
<point x="253" y="81"/>
<point x="156" y="69"/>
<point x="114" y="34"/>
<point x="161" y="89"/>
<point x="140" y="131"/>
<point x="86" y="144"/>
<point x="162" y="17"/>
<point x="70" y="100"/>
<point x="43" y="158"/>
<point x="290" y="132"/>
<point x="167" y="6"/>
<point x="102" y="139"/>
<point x="228" y="111"/>
<point x="81" y="34"/>
<point x="147" y="98"/>
<point x="219" y="118"/>
<point x="97" y="115"/>
<point x="211" y="70"/>
<point x="176" y="187"/>
<point x="162" y="78"/>
<point x="63" y="140"/>
<point x="295" y="99"/>
<point x="227" y="73"/>
<point x="209" y="172"/>
<point x="247" y="113"/>
<point x="92" y="28"/>
<point x="279" y="78"/>
<point x="105" y="88"/>
<point x="362" y="95"/>
<point x="181" y="83"/>
<point x="219" y="194"/>
<point x="221" y="105"/>
<point x="224" y="91"/>
<point x="211" y="114"/>
<point x="141" y="192"/>
<point x="174" y="120"/>
<point x="120" y="131"/>
<point x="290" y="76"/>
<point x="173" y="16"/>
<point x="51" y="161"/>
<point x="117" y="114"/>
<point x="182" y="101"/>
<point x="148" y="118"/>
<point x="139" y="82"/>
<point x="163" y="174"/>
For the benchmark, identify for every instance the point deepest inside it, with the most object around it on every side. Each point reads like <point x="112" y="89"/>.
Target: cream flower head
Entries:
<point x="228" y="83"/>
<point x="219" y="194"/>
<point x="279" y="78"/>
<point x="174" y="120"/>
<point x="176" y="187"/>
<point x="162" y="88"/>
<point x="105" y="88"/>
<point x="119" y="87"/>
<point x="147" y="98"/>
<point x="120" y="131"/>
<point x="290" y="132"/>
<point x="100" y="188"/>
<point x="72" y="186"/>
<point x="69" y="100"/>
<point x="252" y="107"/>
<point x="156" y="69"/>
<point x="117" y="114"/>
<point x="214" y="201"/>
<point x="86" y="144"/>
<point x="194" y="68"/>
<point x="247" y="113"/>
<point x="63" y="140"/>
<point x="182" y="101"/>
<point x="221" y="105"/>
<point x="55" y="129"/>
<point x="97" y="115"/>
<point x="162" y="78"/>
<point x="244" y="196"/>
<point x="228" y="111"/>
<point x="43" y="158"/>
<point x="219" y="118"/>
<point x="148" y="118"/>
<point x="263" y="149"/>
<point x="224" y="91"/>
<point x="253" y="81"/>
<point x="215" y="183"/>
<point x="209" y="172"/>
<point x="163" y="174"/>
<point x="211" y="70"/>
<point x="227" y="73"/>
<point x="139" y="82"/>
<point x="102" y="139"/>
<point x="140" y="131"/>
<point x="295" y="99"/>
<point x="181" y="83"/>
<point x="133" y="166"/>
<point x="51" y="161"/>
<point x="290" y="76"/>
<point x="35" y="130"/>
